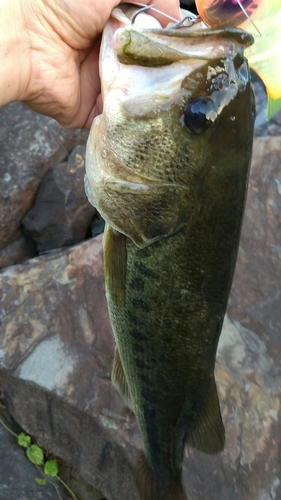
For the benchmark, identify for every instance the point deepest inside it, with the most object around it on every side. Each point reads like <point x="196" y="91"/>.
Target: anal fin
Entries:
<point x="118" y="378"/>
<point x="208" y="435"/>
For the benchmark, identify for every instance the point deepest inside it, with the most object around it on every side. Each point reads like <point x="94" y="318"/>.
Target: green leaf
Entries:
<point x="40" y="481"/>
<point x="51" y="468"/>
<point x="24" y="440"/>
<point x="35" y="454"/>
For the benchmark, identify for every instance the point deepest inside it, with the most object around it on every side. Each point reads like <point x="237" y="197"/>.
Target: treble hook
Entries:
<point x="143" y="9"/>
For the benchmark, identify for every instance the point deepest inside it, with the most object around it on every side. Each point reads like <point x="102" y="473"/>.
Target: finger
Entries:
<point x="89" y="89"/>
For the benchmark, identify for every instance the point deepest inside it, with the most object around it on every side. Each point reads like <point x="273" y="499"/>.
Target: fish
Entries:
<point x="167" y="165"/>
<point x="264" y="21"/>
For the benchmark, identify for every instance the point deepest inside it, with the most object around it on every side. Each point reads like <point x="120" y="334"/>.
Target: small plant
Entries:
<point x="46" y="468"/>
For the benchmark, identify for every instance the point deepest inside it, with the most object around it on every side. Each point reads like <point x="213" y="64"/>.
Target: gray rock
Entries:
<point x="17" y="251"/>
<point x="18" y="474"/>
<point x="61" y="214"/>
<point x="30" y="144"/>
<point x="81" y="489"/>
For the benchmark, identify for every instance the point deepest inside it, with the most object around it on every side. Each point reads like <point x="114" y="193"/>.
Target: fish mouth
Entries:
<point x="161" y="47"/>
<point x="157" y="46"/>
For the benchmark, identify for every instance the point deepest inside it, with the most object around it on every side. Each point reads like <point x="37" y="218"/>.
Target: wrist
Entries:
<point x="14" y="52"/>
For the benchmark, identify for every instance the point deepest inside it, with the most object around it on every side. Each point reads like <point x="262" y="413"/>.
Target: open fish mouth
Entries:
<point x="157" y="46"/>
<point x="143" y="46"/>
<point x="125" y="44"/>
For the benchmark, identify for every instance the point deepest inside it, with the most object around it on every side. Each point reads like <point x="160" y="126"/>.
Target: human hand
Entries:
<point x="53" y="55"/>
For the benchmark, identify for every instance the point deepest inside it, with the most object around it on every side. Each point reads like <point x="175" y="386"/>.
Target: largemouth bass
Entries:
<point x="167" y="167"/>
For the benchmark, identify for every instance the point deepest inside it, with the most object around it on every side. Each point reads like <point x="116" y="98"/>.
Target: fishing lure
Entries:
<point x="264" y="55"/>
<point x="230" y="12"/>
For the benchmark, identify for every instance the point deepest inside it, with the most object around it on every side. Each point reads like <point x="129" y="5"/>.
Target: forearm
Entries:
<point x="14" y="63"/>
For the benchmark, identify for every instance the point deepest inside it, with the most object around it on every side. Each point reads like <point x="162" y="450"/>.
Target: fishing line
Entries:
<point x="152" y="8"/>
<point x="192" y="18"/>
<point x="248" y="17"/>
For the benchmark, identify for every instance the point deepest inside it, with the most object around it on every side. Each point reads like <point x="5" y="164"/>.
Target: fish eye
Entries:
<point x="195" y="115"/>
<point x="227" y="12"/>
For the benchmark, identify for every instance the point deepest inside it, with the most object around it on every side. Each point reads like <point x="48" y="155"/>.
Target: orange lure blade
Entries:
<point x="264" y="17"/>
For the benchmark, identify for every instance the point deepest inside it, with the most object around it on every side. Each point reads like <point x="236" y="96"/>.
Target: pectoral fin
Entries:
<point x="115" y="260"/>
<point x="118" y="378"/>
<point x="209" y="436"/>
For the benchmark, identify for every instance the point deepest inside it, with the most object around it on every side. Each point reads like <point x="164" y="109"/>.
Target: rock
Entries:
<point x="17" y="474"/>
<point x="17" y="251"/>
<point x="30" y="144"/>
<point x="97" y="225"/>
<point x="61" y="214"/>
<point x="78" y="485"/>
<point x="56" y="352"/>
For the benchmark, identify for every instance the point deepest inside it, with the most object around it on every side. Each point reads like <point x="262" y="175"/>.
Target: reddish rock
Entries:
<point x="30" y="144"/>
<point x="56" y="352"/>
